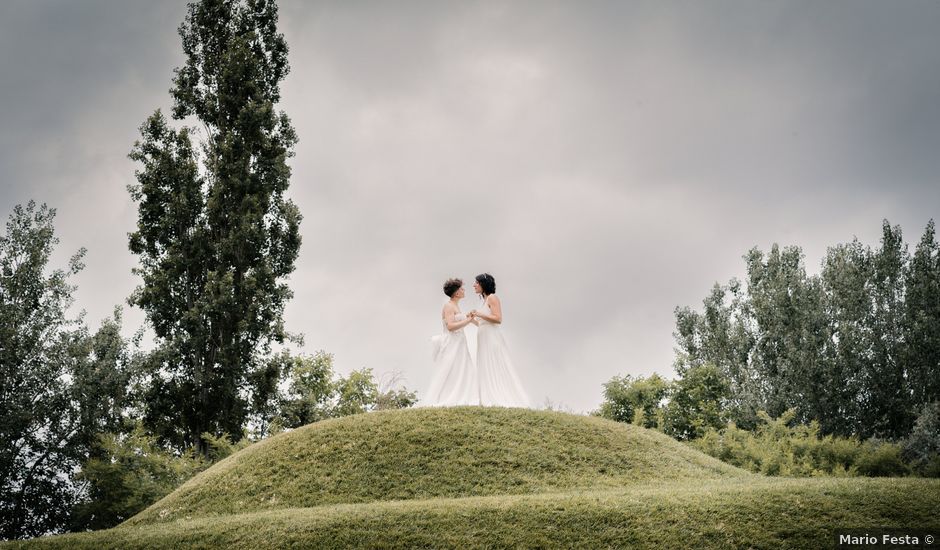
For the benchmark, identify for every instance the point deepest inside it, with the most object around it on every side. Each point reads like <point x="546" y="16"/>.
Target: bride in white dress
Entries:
<point x="455" y="379"/>
<point x="499" y="384"/>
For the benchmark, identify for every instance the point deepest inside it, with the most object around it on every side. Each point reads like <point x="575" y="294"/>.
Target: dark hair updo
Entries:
<point x="451" y="286"/>
<point x="487" y="283"/>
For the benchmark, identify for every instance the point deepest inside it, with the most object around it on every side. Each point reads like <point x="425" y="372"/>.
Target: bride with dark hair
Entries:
<point x="455" y="377"/>
<point x="499" y="384"/>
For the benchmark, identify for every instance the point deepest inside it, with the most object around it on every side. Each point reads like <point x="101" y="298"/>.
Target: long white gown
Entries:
<point x="499" y="384"/>
<point x="455" y="379"/>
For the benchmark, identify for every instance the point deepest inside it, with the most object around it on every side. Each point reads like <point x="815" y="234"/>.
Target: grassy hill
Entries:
<point x="489" y="476"/>
<point x="429" y="452"/>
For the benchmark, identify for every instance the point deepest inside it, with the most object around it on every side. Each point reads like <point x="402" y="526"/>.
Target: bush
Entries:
<point x="315" y="392"/>
<point x="775" y="448"/>
<point x="922" y="447"/>
<point x="220" y="447"/>
<point x="634" y="400"/>
<point x="931" y="468"/>
<point x="132" y="473"/>
<point x="878" y="459"/>
<point x="696" y="403"/>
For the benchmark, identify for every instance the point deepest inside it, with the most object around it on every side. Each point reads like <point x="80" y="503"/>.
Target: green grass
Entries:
<point x="493" y="477"/>
<point x="429" y="452"/>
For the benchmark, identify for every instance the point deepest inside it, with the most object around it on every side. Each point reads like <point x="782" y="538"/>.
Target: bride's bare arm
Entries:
<point x="450" y="317"/>
<point x="496" y="311"/>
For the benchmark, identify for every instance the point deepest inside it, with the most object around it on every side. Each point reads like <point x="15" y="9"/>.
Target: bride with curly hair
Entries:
<point x="499" y="384"/>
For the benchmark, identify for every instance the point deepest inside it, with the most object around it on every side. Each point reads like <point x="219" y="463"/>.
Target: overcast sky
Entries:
<point x="605" y="161"/>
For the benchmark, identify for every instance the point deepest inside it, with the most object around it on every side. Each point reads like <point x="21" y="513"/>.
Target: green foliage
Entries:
<point x="922" y="447"/>
<point x="356" y="393"/>
<point x="314" y="392"/>
<point x="683" y="408"/>
<point x="846" y="271"/>
<point x="395" y="398"/>
<point x="101" y="382"/>
<point x="856" y="348"/>
<point x="921" y="328"/>
<point x="216" y="236"/>
<point x="776" y="448"/>
<point x="887" y="407"/>
<point x="392" y="395"/>
<point x="881" y="459"/>
<point x="635" y="400"/>
<point x="61" y="385"/>
<point x="264" y="383"/>
<point x="309" y="396"/>
<point x="131" y="473"/>
<point x="221" y="447"/>
<point x="696" y="403"/>
<point x="40" y="424"/>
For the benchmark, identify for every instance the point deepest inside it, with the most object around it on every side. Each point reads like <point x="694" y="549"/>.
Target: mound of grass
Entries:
<point x="481" y="477"/>
<point x="434" y="452"/>
<point x="724" y="513"/>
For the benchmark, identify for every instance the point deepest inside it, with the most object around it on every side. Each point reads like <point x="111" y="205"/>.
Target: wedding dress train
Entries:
<point x="455" y="379"/>
<point x="499" y="384"/>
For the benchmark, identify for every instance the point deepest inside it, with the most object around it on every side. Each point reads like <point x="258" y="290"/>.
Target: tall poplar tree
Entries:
<point x="886" y="402"/>
<point x="216" y="235"/>
<point x="921" y="322"/>
<point x="846" y="272"/>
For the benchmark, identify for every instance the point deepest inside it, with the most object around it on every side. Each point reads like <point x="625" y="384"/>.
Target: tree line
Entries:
<point x="81" y="445"/>
<point x="853" y="350"/>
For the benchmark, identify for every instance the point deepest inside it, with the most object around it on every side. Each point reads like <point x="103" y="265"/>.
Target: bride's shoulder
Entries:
<point x="492" y="299"/>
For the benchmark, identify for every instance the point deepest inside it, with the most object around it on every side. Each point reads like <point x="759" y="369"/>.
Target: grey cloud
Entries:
<point x="606" y="161"/>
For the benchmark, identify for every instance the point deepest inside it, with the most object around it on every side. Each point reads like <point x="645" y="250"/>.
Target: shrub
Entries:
<point x="131" y="473"/>
<point x="879" y="459"/>
<point x="778" y="449"/>
<point x="696" y="403"/>
<point x="922" y="447"/>
<point x="634" y="400"/>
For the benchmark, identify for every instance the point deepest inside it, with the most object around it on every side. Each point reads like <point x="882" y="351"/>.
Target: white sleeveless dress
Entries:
<point x="499" y="384"/>
<point x="455" y="379"/>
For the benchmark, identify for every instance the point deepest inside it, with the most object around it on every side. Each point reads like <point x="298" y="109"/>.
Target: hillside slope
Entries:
<point x="434" y="452"/>
<point x="482" y="477"/>
<point x="771" y="513"/>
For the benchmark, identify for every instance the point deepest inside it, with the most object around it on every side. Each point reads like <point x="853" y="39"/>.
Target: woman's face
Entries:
<point x="460" y="293"/>
<point x="476" y="287"/>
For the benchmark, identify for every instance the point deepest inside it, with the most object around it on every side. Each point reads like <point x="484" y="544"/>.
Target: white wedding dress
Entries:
<point x="455" y="379"/>
<point x="499" y="384"/>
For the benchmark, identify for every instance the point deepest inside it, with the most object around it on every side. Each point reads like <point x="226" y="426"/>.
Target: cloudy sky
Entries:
<point x="606" y="161"/>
